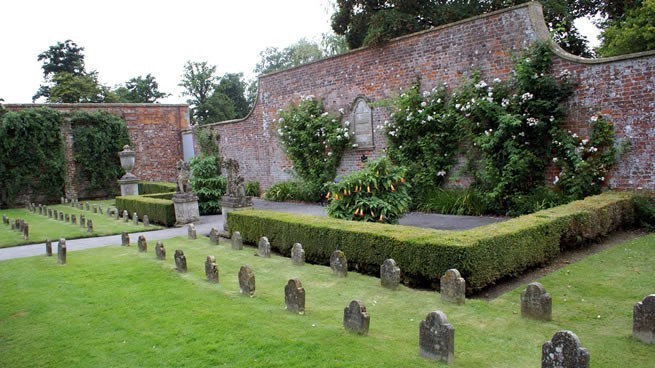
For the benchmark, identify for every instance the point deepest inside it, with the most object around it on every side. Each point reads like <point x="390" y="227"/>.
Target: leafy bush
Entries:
<point x="644" y="211"/>
<point x="452" y="202"/>
<point x="376" y="193"/>
<point x="152" y="187"/>
<point x="482" y="255"/>
<point x="207" y="183"/>
<point x="159" y="211"/>
<point x="294" y="191"/>
<point x="252" y="189"/>
<point x="32" y="158"/>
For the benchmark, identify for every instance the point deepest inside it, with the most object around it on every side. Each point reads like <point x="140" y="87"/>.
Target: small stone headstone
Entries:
<point x="339" y="263"/>
<point x="536" y="303"/>
<point x="87" y="205"/>
<point x="100" y="210"/>
<point x="142" y="244"/>
<point x="89" y="225"/>
<point x="264" y="247"/>
<point x="40" y="210"/>
<point x="135" y="218"/>
<point x="73" y="219"/>
<point x="67" y="218"/>
<point x="146" y="221"/>
<point x="117" y="215"/>
<point x="437" y="337"/>
<point x="125" y="239"/>
<point x="643" y="320"/>
<point x="246" y="281"/>
<point x="192" y="231"/>
<point x="453" y="287"/>
<point x="294" y="296"/>
<point x="82" y="221"/>
<point x="26" y="231"/>
<point x="180" y="261"/>
<point x="126" y="216"/>
<point x="48" y="248"/>
<point x="61" y="216"/>
<point x="55" y="214"/>
<point x="61" y="251"/>
<point x="297" y="254"/>
<point x="49" y="212"/>
<point x="389" y="274"/>
<point x="356" y="318"/>
<point x="160" y="251"/>
<point x="95" y="208"/>
<point x="237" y="242"/>
<point x="211" y="269"/>
<point x="213" y="236"/>
<point x="62" y="200"/>
<point x="564" y="351"/>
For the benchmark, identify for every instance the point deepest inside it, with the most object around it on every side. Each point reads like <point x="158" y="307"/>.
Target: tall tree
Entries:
<point x="140" y="90"/>
<point x="198" y="80"/>
<point x="233" y="87"/>
<point x="633" y="33"/>
<point x="65" y="56"/>
<point x="273" y="59"/>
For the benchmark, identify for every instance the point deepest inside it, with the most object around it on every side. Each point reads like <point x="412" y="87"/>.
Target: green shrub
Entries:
<point x="168" y="195"/>
<point x="152" y="187"/>
<point x="378" y="192"/>
<point x="207" y="183"/>
<point x="451" y="202"/>
<point x="159" y="211"/>
<point x="644" y="211"/>
<point x="482" y="255"/>
<point x="294" y="191"/>
<point x="252" y="189"/>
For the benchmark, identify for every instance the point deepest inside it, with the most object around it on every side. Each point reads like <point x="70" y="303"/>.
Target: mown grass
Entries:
<point x="42" y="227"/>
<point x="115" y="307"/>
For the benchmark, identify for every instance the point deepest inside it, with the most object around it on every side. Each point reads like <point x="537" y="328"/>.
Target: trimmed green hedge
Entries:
<point x="168" y="195"/>
<point x="482" y="255"/>
<point x="159" y="211"/>
<point x="153" y="187"/>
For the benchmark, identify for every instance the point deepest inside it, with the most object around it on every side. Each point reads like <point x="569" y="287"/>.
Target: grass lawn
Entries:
<point x="43" y="227"/>
<point x="115" y="307"/>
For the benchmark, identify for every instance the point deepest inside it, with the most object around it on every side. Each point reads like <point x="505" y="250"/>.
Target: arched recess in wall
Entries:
<point x="362" y="124"/>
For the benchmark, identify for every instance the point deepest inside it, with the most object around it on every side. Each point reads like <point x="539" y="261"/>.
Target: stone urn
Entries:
<point x="129" y="182"/>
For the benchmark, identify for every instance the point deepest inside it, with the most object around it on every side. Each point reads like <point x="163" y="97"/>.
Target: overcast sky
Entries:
<point x="124" y="39"/>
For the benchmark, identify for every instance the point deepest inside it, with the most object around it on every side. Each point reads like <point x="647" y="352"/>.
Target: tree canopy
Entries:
<point x="140" y="90"/>
<point x="273" y="59"/>
<point x="635" y="32"/>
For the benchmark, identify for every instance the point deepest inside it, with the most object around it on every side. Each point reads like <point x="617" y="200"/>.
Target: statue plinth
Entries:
<point x="186" y="208"/>
<point x="129" y="185"/>
<point x="229" y="204"/>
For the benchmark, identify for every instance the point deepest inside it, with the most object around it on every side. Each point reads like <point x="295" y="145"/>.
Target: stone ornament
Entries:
<point x="264" y="247"/>
<point x="356" y="318"/>
<point x="247" y="281"/>
<point x="536" y="303"/>
<point x="146" y="221"/>
<point x="142" y="244"/>
<point x="453" y="287"/>
<point x="61" y="251"/>
<point x="339" y="263"/>
<point x="183" y="176"/>
<point x="389" y="274"/>
<point x="211" y="269"/>
<point x="297" y="254"/>
<point x="643" y="320"/>
<point x="437" y="337"/>
<point x="125" y="239"/>
<point x="180" y="261"/>
<point x="213" y="236"/>
<point x="160" y="251"/>
<point x="564" y="351"/>
<point x="294" y="296"/>
<point x="237" y="242"/>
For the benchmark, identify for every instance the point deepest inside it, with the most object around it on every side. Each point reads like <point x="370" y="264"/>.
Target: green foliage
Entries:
<point x="159" y="211"/>
<point x="376" y="193"/>
<point x="154" y="187"/>
<point x="97" y="139"/>
<point x="233" y="88"/>
<point x="207" y="141"/>
<point x="252" y="189"/>
<point x="634" y="33"/>
<point x="294" y="191"/>
<point x="207" y="183"/>
<point x="483" y="255"/>
<point x="274" y="59"/>
<point x="644" y="211"/>
<point x="451" y="202"/>
<point x="313" y="139"/>
<point x="31" y="155"/>
<point x="140" y="90"/>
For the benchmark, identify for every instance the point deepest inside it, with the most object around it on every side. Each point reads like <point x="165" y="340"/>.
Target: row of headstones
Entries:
<point x="126" y="217"/>
<point x="111" y="212"/>
<point x="18" y="225"/>
<point x="61" y="250"/>
<point x="61" y="216"/>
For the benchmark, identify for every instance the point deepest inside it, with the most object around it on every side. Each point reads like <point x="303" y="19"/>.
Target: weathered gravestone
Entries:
<point x="237" y="242"/>
<point x="125" y="239"/>
<point x="126" y="216"/>
<point x="40" y="210"/>
<point x="389" y="274"/>
<point x="87" y="205"/>
<point x="146" y="221"/>
<point x="180" y="261"/>
<point x="73" y="219"/>
<point x="55" y="214"/>
<point x="142" y="244"/>
<point x="339" y="263"/>
<point x="135" y="218"/>
<point x="437" y="337"/>
<point x="453" y="287"/>
<point x="536" y="303"/>
<point x="89" y="225"/>
<point x="643" y="320"/>
<point x="61" y="200"/>
<point x="100" y="210"/>
<point x="264" y="247"/>
<point x="192" y="231"/>
<point x="67" y="218"/>
<point x="61" y="216"/>
<point x="213" y="236"/>
<point x="211" y="269"/>
<point x="297" y="254"/>
<point x="160" y="251"/>
<point x="564" y="351"/>
<point x="356" y="318"/>
<point x="95" y="208"/>
<point x="246" y="281"/>
<point x="50" y="213"/>
<point x="294" y="296"/>
<point x="5" y="220"/>
<point x="117" y="214"/>
<point x="82" y="221"/>
<point x="61" y="251"/>
<point x="48" y="247"/>
<point x="26" y="231"/>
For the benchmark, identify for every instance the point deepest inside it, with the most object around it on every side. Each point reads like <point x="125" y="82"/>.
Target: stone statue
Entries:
<point x="183" y="175"/>
<point x="235" y="186"/>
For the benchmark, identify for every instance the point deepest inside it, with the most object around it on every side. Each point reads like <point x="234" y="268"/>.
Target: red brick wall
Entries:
<point x="623" y="89"/>
<point x="155" y="131"/>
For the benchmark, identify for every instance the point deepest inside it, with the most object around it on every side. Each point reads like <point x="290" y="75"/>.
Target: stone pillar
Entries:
<point x="230" y="204"/>
<point x="186" y="208"/>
